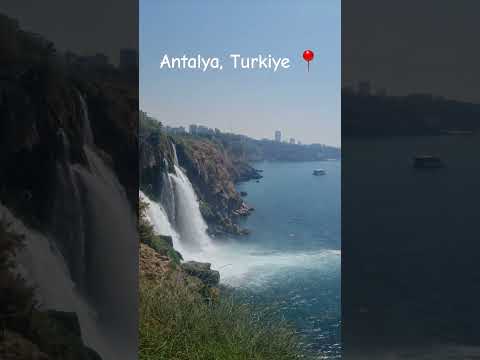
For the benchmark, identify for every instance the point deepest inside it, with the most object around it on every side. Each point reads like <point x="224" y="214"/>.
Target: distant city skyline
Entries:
<point x="193" y="128"/>
<point x="273" y="136"/>
<point x="305" y="105"/>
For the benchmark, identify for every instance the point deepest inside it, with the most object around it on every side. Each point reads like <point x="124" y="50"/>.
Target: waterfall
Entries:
<point x="86" y="126"/>
<point x="42" y="266"/>
<point x="175" y="157"/>
<point x="188" y="218"/>
<point x="158" y="218"/>
<point x="178" y="215"/>
<point x="111" y="239"/>
<point x="167" y="197"/>
<point x="40" y="263"/>
<point x="87" y="257"/>
<point x="240" y="264"/>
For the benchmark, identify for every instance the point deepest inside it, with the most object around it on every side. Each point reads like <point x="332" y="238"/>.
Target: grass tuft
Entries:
<point x="177" y="324"/>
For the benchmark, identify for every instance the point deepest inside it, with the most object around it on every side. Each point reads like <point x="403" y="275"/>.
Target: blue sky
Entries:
<point x="302" y="105"/>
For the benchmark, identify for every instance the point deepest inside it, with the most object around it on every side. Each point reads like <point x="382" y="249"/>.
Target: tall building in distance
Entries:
<point x="278" y="136"/>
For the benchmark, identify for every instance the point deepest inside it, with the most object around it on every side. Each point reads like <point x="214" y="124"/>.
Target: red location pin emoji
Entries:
<point x="308" y="56"/>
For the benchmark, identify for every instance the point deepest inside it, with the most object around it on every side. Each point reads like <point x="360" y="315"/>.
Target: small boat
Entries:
<point x="427" y="162"/>
<point x="318" y="172"/>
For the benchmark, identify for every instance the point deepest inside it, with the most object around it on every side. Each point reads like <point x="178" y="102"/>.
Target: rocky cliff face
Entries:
<point x="212" y="170"/>
<point x="156" y="159"/>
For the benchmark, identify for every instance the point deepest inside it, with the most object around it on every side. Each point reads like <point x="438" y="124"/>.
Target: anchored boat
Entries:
<point x="318" y="172"/>
<point x="427" y="162"/>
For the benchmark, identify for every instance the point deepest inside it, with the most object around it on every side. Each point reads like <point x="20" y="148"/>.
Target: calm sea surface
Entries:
<point x="411" y="279"/>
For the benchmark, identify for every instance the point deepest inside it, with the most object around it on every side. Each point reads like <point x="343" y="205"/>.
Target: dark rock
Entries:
<point x="243" y="193"/>
<point x="246" y="173"/>
<point x="67" y="320"/>
<point x="202" y="271"/>
<point x="243" y="210"/>
<point x="58" y="333"/>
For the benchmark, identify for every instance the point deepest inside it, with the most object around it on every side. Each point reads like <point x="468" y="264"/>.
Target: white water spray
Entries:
<point x="239" y="264"/>
<point x="189" y="221"/>
<point x="158" y="218"/>
<point x="42" y="266"/>
<point x="87" y="128"/>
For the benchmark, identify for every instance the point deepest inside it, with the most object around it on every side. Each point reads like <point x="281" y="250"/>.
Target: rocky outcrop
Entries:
<point x="214" y="172"/>
<point x="193" y="276"/>
<point x="243" y="210"/>
<point x="58" y="334"/>
<point x="152" y="264"/>
<point x="47" y="335"/>
<point x="156" y="159"/>
<point x="211" y="169"/>
<point x="202" y="271"/>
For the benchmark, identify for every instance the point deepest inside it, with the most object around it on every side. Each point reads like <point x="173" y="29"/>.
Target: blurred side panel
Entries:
<point x="410" y="142"/>
<point x="68" y="179"/>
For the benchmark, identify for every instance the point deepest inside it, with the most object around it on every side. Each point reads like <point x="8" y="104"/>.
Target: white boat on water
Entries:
<point x="427" y="162"/>
<point x="318" y="172"/>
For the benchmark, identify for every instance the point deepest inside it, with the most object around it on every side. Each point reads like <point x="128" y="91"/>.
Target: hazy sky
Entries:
<point x="413" y="46"/>
<point x="302" y="105"/>
<point x="85" y="27"/>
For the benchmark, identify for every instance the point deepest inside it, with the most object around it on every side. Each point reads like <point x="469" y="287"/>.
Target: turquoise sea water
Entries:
<point x="295" y="244"/>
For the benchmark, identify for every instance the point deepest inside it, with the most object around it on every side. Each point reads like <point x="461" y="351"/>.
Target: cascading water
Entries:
<point x="167" y="197"/>
<point x="41" y="264"/>
<point x="94" y="229"/>
<point x="188" y="220"/>
<point x="239" y="263"/>
<point x="87" y="128"/>
<point x="157" y="216"/>
<point x="111" y="235"/>
<point x="175" y="156"/>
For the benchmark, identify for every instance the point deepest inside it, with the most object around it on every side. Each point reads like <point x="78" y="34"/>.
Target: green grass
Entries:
<point x="175" y="324"/>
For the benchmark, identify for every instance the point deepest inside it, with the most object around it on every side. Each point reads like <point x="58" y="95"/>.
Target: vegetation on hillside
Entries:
<point x="148" y="124"/>
<point x="244" y="148"/>
<point x="177" y="324"/>
<point x="182" y="318"/>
